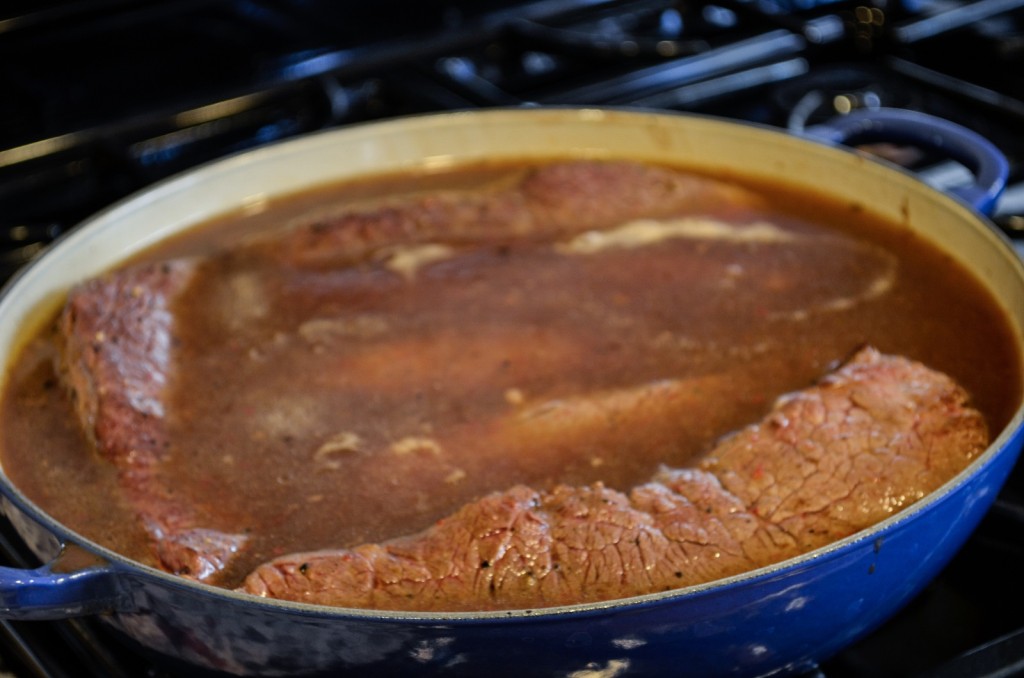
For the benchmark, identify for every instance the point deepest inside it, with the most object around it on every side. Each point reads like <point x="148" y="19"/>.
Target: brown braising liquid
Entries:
<point x="321" y="410"/>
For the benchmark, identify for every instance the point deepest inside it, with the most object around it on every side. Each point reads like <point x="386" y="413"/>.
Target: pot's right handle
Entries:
<point x="43" y="593"/>
<point x="979" y="155"/>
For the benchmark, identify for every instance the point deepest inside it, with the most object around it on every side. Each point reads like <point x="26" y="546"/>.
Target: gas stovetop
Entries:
<point x="100" y="99"/>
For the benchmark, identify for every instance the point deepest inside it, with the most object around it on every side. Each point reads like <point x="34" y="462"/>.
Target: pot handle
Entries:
<point x="43" y="593"/>
<point x="979" y="155"/>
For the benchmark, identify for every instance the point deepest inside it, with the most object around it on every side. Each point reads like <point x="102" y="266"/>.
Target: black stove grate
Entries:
<point x="100" y="99"/>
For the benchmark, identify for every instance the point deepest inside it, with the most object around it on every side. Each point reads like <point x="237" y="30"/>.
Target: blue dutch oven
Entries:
<point x="770" y="621"/>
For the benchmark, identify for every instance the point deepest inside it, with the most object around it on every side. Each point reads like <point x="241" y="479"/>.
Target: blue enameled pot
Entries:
<point x="779" y="619"/>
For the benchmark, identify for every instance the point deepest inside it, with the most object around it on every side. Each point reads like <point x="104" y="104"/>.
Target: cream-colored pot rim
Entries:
<point x="249" y="180"/>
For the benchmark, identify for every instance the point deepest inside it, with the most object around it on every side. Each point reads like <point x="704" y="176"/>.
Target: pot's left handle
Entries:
<point x="974" y="151"/>
<point x="44" y="593"/>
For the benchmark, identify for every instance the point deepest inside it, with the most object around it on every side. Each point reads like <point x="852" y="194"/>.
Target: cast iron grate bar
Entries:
<point x="758" y="50"/>
<point x="1001" y="658"/>
<point x="708" y="91"/>
<point x="994" y="102"/>
<point x="71" y="15"/>
<point x="67" y="649"/>
<point x="364" y="60"/>
<point x="956" y="18"/>
<point x="581" y="43"/>
<point x="421" y="91"/>
<point x="464" y="79"/>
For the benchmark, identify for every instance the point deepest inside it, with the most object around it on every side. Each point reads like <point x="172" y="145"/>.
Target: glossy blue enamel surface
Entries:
<point x="785" y="619"/>
<point x="770" y="622"/>
<point x="978" y="154"/>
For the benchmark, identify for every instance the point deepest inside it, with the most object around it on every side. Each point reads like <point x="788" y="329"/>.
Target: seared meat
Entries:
<point x="116" y="333"/>
<point x="869" y="439"/>
<point x="116" y="359"/>
<point x="551" y="201"/>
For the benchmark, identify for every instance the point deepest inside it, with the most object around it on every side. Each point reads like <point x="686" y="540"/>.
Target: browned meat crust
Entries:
<point x="869" y="439"/>
<point x="550" y="202"/>
<point x="116" y="335"/>
<point x="116" y="353"/>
